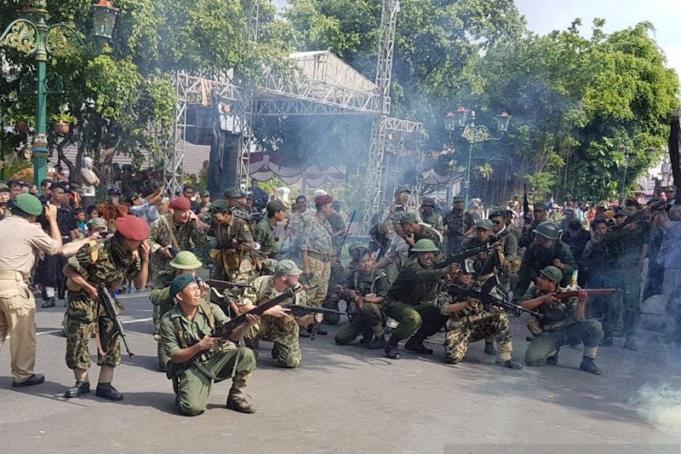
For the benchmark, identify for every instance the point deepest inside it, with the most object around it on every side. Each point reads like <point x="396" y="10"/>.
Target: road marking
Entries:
<point x="125" y="322"/>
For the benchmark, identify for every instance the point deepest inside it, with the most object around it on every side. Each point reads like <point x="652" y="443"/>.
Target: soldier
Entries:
<point x="469" y="321"/>
<point x="398" y="251"/>
<point x="337" y="223"/>
<point x="430" y="216"/>
<point x="112" y="209"/>
<point x="234" y="245"/>
<point x="107" y="262"/>
<point x="546" y="249"/>
<point x="412" y="300"/>
<point x="413" y="230"/>
<point x="355" y="251"/>
<point x="562" y="323"/>
<point x="237" y="203"/>
<point x="366" y="289"/>
<point x="539" y="216"/>
<point x="186" y="332"/>
<point x="316" y="252"/>
<point x="333" y="296"/>
<point x="457" y="225"/>
<point x="277" y="324"/>
<point x="401" y="204"/>
<point x="178" y="231"/>
<point x="264" y="233"/>
<point x="185" y="262"/>
<point x="511" y="260"/>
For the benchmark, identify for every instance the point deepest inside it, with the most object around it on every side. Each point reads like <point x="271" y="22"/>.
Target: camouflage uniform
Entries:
<point x="473" y="324"/>
<point x="457" y="223"/>
<point x="368" y="320"/>
<point x="283" y="332"/>
<point x="193" y="385"/>
<point x="104" y="262"/>
<point x="317" y="243"/>
<point x="232" y="263"/>
<point x="434" y="220"/>
<point x="182" y="237"/>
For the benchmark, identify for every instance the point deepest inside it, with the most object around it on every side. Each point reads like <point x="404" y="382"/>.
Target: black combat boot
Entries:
<point x="81" y="387"/>
<point x="509" y="363"/>
<point x="377" y="343"/>
<point x="34" y="379"/>
<point x="415" y="344"/>
<point x="108" y="392"/>
<point x="490" y="349"/>
<point x="588" y="365"/>
<point x="553" y="359"/>
<point x="391" y="348"/>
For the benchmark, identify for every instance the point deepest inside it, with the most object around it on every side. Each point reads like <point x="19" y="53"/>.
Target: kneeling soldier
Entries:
<point x="469" y="321"/>
<point x="277" y="324"/>
<point x="186" y="334"/>
<point x="562" y="323"/>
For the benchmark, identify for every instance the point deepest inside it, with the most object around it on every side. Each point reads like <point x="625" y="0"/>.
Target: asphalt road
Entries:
<point x="348" y="399"/>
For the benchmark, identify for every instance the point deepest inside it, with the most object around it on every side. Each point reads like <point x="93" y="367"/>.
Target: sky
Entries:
<point x="544" y="16"/>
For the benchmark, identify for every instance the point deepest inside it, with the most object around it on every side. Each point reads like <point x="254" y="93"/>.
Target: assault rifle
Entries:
<point x="472" y="252"/>
<point x="347" y="229"/>
<point x="224" y="332"/>
<point x="527" y="217"/>
<point x="108" y="302"/>
<point x="222" y="285"/>
<point x="589" y="292"/>
<point x="491" y="295"/>
<point x="301" y="311"/>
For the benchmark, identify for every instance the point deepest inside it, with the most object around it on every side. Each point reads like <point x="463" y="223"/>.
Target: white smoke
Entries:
<point x="661" y="405"/>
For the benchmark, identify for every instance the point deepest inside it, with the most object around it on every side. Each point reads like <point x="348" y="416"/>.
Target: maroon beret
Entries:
<point x="180" y="204"/>
<point x="133" y="228"/>
<point x="323" y="200"/>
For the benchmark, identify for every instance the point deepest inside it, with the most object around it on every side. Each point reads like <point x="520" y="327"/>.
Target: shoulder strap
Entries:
<point x="209" y="314"/>
<point x="171" y="233"/>
<point x="179" y="332"/>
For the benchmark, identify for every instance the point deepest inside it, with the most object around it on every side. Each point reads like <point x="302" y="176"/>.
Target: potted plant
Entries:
<point x="62" y="123"/>
<point x="23" y="123"/>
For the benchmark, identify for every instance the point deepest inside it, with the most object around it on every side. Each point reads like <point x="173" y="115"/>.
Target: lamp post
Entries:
<point x="464" y="120"/>
<point x="33" y="36"/>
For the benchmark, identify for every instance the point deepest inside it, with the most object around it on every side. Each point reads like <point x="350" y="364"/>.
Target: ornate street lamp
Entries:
<point x="33" y="36"/>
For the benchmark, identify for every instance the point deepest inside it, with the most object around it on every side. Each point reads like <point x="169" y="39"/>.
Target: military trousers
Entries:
<point x="608" y="309"/>
<point x="83" y="320"/>
<point x="193" y="385"/>
<point x="587" y="332"/>
<point x="368" y="321"/>
<point x="321" y="273"/>
<point x="460" y="335"/>
<point x="17" y="318"/>
<point x="421" y="320"/>
<point x="283" y="332"/>
<point x="630" y="284"/>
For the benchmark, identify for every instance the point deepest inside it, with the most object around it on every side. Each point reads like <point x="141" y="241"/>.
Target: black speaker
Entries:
<point x="199" y="124"/>
<point x="223" y="171"/>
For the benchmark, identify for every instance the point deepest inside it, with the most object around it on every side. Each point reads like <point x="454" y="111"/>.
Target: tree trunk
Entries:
<point x="674" y="144"/>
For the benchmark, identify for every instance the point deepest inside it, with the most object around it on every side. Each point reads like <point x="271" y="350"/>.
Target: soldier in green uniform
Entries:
<point x="539" y="216"/>
<point x="178" y="231"/>
<point x="264" y="233"/>
<point x="414" y="231"/>
<point x="233" y="253"/>
<point x="457" y="224"/>
<point x="469" y="321"/>
<point x="237" y="203"/>
<point x="412" y="300"/>
<point x="366" y="290"/>
<point x="107" y="262"/>
<point x="546" y="250"/>
<point x="277" y="324"/>
<point x="355" y="251"/>
<point x="562" y="323"/>
<point x="430" y="216"/>
<point x="185" y="262"/>
<point x="186" y="332"/>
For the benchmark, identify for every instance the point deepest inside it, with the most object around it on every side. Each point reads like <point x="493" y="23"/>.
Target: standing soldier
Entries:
<point x="398" y="250"/>
<point x="264" y="233"/>
<point x="562" y="323"/>
<point x="237" y="202"/>
<point x="178" y="231"/>
<point x="508" y="249"/>
<point x="469" y="321"/>
<point x="430" y="216"/>
<point x="316" y="251"/>
<point x="103" y="263"/>
<point x="186" y="333"/>
<point x="21" y="240"/>
<point x="457" y="225"/>
<point x="527" y="235"/>
<point x="414" y="231"/>
<point x="276" y="324"/>
<point x="412" y="300"/>
<point x="234" y="245"/>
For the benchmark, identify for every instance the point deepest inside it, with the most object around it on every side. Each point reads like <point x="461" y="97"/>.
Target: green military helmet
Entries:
<point x="549" y="230"/>
<point x="287" y="268"/>
<point x="354" y="247"/>
<point x="220" y="206"/>
<point x="29" y="204"/>
<point x="552" y="273"/>
<point x="409" y="218"/>
<point x="484" y="224"/>
<point x="186" y="260"/>
<point x="425" y="245"/>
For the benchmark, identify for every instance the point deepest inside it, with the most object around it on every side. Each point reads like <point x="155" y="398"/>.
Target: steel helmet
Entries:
<point x="549" y="230"/>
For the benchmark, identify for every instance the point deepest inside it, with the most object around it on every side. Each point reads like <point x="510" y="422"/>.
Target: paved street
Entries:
<point x="351" y="400"/>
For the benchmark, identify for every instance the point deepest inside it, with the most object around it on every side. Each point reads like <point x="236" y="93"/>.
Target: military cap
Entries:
<point x="409" y="218"/>
<point x="97" y="223"/>
<point x="220" y="206"/>
<point x="205" y="193"/>
<point x="185" y="260"/>
<point x="29" y="204"/>
<point x="276" y="205"/>
<point x="548" y="230"/>
<point x="179" y="283"/>
<point x="403" y="189"/>
<point x="233" y="193"/>
<point x="111" y="191"/>
<point x="425" y="245"/>
<point x="552" y="273"/>
<point x="180" y="204"/>
<point x="132" y="228"/>
<point x="428" y="202"/>
<point x="484" y="224"/>
<point x="287" y="268"/>
<point x="4" y="188"/>
<point x="498" y="214"/>
<point x="323" y="199"/>
<point x="458" y="199"/>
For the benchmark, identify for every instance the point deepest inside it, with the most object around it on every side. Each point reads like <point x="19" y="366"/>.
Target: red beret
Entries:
<point x="180" y="204"/>
<point x="323" y="200"/>
<point x="133" y="228"/>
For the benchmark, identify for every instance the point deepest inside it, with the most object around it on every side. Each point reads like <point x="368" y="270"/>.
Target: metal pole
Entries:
<point x="40" y="138"/>
<point x="468" y="174"/>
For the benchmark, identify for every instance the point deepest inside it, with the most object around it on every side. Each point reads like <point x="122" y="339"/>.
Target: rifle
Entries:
<point x="345" y="237"/>
<point x="224" y="332"/>
<point x="589" y="292"/>
<point x="108" y="302"/>
<point x="472" y="252"/>
<point x="222" y="285"/>
<point x="491" y="295"/>
<point x="301" y="311"/>
<point x="526" y="207"/>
